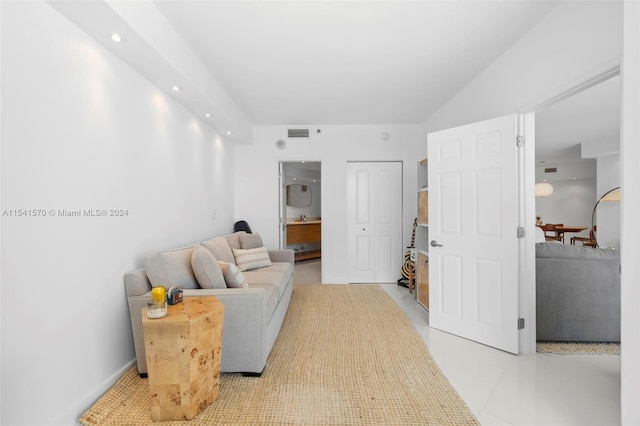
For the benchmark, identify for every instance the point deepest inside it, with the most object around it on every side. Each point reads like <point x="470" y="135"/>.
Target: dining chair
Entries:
<point x="589" y="241"/>
<point x="550" y="232"/>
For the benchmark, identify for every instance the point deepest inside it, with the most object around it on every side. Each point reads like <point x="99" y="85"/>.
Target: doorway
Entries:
<point x="301" y="209"/>
<point x="578" y="153"/>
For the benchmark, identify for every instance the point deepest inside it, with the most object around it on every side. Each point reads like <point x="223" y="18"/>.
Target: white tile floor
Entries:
<point x="504" y="389"/>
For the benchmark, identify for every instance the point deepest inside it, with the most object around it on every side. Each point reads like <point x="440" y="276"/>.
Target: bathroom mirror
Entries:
<point x="298" y="195"/>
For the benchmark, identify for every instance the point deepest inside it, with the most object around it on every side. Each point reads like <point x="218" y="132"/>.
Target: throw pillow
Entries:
<point x="219" y="246"/>
<point x="252" y="258"/>
<point x="206" y="268"/>
<point x="171" y="268"/>
<point x="249" y="241"/>
<point x="233" y="276"/>
<point x="234" y="239"/>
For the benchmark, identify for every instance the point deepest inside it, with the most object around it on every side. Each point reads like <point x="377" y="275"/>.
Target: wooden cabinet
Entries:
<point x="305" y="232"/>
<point x="422" y="279"/>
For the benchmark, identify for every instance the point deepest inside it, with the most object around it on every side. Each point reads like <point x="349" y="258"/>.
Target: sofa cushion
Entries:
<point x="277" y="276"/>
<point x="171" y="268"/>
<point x="252" y="258"/>
<point x="233" y="276"/>
<point x="219" y="246"/>
<point x="249" y="241"/>
<point x="566" y="251"/>
<point x="206" y="268"/>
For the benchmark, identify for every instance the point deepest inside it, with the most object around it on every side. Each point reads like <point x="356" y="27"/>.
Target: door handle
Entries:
<point x="434" y="243"/>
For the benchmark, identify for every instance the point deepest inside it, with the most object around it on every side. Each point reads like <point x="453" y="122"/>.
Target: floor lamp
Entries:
<point x="611" y="195"/>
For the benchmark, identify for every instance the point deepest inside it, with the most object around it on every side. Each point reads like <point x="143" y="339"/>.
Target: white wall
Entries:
<point x="256" y="175"/>
<point x="571" y="204"/>
<point x="608" y="213"/>
<point x="573" y="197"/>
<point x="304" y="177"/>
<point x="82" y="130"/>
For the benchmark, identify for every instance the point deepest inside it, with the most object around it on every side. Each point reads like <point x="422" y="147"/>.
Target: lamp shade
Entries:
<point x="543" y="189"/>
<point x="613" y="195"/>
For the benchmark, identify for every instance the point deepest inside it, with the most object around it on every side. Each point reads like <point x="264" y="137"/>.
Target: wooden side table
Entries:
<point x="183" y="352"/>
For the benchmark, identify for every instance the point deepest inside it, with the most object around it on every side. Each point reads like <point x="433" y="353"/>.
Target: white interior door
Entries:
<point x="374" y="192"/>
<point x="473" y="227"/>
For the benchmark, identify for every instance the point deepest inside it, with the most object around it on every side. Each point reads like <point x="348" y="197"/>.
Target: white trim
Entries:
<point x="630" y="203"/>
<point x="598" y="76"/>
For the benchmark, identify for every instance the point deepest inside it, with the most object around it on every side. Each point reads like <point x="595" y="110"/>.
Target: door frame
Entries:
<point x="528" y="261"/>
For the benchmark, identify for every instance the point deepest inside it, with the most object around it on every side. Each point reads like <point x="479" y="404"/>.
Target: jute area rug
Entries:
<point x="346" y="355"/>
<point x="578" y="348"/>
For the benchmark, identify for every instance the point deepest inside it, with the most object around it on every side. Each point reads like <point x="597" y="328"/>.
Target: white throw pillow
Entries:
<point x="252" y="258"/>
<point x="206" y="268"/>
<point x="232" y="275"/>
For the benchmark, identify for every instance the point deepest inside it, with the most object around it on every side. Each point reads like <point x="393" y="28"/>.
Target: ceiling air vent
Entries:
<point x="550" y="170"/>
<point x="298" y="133"/>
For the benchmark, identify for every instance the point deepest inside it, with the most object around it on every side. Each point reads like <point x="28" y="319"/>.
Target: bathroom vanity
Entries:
<point x="305" y="232"/>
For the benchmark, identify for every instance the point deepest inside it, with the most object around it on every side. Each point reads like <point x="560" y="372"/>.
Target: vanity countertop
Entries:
<point x="306" y="222"/>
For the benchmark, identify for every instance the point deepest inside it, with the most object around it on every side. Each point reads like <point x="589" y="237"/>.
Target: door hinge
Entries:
<point x="520" y="323"/>
<point x="520" y="232"/>
<point x="519" y="141"/>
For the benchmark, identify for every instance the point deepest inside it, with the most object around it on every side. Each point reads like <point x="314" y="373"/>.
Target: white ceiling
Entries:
<point x="348" y="62"/>
<point x="332" y="62"/>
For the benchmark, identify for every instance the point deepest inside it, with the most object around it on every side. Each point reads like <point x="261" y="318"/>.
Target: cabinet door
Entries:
<point x="422" y="281"/>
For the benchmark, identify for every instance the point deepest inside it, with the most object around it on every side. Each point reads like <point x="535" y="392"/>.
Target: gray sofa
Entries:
<point x="253" y="313"/>
<point x="577" y="293"/>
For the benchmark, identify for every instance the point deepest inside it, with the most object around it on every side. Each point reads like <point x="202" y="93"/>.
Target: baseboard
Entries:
<point x="71" y="415"/>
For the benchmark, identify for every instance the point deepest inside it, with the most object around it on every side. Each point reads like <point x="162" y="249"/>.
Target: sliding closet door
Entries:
<point x="374" y="195"/>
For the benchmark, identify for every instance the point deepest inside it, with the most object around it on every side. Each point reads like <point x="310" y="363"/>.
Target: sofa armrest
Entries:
<point x="281" y="256"/>
<point x="136" y="282"/>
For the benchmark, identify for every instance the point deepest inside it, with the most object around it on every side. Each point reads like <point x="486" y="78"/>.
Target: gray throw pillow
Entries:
<point x="171" y="268"/>
<point x="206" y="268"/>
<point x="220" y="248"/>
<point x="233" y="276"/>
<point x="249" y="241"/>
<point x="234" y="239"/>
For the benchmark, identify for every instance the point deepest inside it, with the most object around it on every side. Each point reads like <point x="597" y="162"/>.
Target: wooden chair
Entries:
<point x="550" y="233"/>
<point x="587" y="241"/>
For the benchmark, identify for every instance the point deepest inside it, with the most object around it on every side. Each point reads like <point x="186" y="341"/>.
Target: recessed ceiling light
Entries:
<point x="176" y="88"/>
<point x="228" y="132"/>
<point x="117" y="38"/>
<point x="207" y="114"/>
